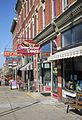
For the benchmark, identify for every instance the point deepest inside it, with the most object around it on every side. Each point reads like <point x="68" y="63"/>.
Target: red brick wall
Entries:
<point x="58" y="7"/>
<point x="70" y="1"/>
<point x="40" y="20"/>
<point x="48" y="11"/>
<point x="58" y="40"/>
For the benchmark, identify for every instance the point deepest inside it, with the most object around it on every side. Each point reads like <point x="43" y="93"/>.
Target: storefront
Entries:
<point x="72" y="76"/>
<point x="71" y="72"/>
<point x="46" y="68"/>
<point x="70" y="57"/>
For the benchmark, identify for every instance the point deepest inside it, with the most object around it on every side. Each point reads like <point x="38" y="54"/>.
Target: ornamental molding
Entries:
<point x="70" y="16"/>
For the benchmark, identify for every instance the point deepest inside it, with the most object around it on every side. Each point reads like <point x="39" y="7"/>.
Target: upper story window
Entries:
<point x="64" y="4"/>
<point x="72" y="36"/>
<point x="31" y="3"/>
<point x="43" y="14"/>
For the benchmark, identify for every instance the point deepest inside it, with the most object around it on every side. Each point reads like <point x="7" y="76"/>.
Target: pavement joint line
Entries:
<point x="30" y="95"/>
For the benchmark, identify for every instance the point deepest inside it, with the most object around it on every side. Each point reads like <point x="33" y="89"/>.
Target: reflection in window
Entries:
<point x="55" y="80"/>
<point x="64" y="4"/>
<point x="46" y="48"/>
<point x="72" y="36"/>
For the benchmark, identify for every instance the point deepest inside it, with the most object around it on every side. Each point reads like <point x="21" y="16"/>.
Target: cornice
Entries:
<point x="70" y="17"/>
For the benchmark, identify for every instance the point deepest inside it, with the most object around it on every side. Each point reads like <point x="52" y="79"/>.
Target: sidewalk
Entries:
<point x="45" y="99"/>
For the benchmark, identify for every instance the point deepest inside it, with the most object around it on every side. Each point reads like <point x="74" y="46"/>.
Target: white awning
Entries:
<point x="69" y="53"/>
<point x="26" y="67"/>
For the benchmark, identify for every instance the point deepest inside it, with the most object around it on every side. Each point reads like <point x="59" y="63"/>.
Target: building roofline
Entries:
<point x="14" y="22"/>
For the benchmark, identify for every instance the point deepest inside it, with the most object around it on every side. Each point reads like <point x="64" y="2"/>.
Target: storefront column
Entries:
<point x="35" y="73"/>
<point x="59" y="80"/>
<point x="51" y="79"/>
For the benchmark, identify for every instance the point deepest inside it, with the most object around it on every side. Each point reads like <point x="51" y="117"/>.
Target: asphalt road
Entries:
<point x="17" y="105"/>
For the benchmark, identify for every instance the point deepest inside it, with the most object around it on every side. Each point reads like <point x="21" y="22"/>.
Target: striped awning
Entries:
<point x="69" y="53"/>
<point x="27" y="67"/>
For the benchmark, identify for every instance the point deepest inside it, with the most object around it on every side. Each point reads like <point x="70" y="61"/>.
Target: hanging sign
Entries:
<point x="28" y="47"/>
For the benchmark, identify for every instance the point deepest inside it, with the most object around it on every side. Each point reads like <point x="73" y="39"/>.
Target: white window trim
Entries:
<point x="33" y="26"/>
<point x="64" y="5"/>
<point x="29" y="30"/>
<point x="53" y="9"/>
<point x="43" y="15"/>
<point x="30" y="7"/>
<point x="36" y="24"/>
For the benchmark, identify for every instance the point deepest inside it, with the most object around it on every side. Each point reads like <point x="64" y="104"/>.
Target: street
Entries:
<point x="18" y="105"/>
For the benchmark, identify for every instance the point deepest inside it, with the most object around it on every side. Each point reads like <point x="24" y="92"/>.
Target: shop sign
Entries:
<point x="28" y="50"/>
<point x="13" y="58"/>
<point x="11" y="53"/>
<point x="13" y="85"/>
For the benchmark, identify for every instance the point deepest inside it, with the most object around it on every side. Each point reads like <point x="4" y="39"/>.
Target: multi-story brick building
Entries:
<point x="35" y="21"/>
<point x="68" y="56"/>
<point x="56" y="26"/>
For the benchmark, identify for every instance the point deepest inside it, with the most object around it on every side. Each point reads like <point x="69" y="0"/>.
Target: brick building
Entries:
<point x="51" y="24"/>
<point x="68" y="57"/>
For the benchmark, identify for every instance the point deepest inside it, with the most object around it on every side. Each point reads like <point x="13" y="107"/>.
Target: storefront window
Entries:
<point x="46" y="74"/>
<point x="55" y="81"/>
<point x="45" y="51"/>
<point x="72" y="74"/>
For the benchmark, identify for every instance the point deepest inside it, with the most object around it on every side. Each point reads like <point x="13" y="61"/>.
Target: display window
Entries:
<point x="72" y="74"/>
<point x="55" y="80"/>
<point x="46" y="74"/>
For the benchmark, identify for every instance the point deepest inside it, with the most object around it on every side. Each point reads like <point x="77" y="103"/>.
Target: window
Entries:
<point x="72" y="36"/>
<point x="72" y="73"/>
<point x="64" y="4"/>
<point x="67" y="38"/>
<point x="55" y="80"/>
<point x="46" y="48"/>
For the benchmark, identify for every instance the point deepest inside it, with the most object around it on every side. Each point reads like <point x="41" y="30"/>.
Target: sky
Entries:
<point x="7" y="13"/>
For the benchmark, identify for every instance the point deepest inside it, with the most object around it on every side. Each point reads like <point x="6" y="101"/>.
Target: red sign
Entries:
<point x="10" y="53"/>
<point x="28" y="47"/>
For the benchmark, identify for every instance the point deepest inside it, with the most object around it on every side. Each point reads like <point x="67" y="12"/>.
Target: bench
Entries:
<point x="75" y="102"/>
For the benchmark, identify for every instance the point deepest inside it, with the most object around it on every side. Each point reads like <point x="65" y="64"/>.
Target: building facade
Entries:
<point x="55" y="25"/>
<point x="69" y="56"/>
<point x="35" y="21"/>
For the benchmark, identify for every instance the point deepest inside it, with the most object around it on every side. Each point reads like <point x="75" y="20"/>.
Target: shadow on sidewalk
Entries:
<point x="16" y="109"/>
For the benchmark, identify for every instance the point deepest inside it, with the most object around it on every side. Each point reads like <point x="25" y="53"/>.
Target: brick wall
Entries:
<point x="59" y="6"/>
<point x="40" y="20"/>
<point x="70" y="1"/>
<point x="48" y="11"/>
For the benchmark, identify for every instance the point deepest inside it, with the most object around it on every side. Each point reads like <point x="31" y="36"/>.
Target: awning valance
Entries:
<point x="69" y="53"/>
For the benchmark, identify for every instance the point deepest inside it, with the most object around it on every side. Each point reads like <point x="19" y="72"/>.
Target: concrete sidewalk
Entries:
<point x="45" y="99"/>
